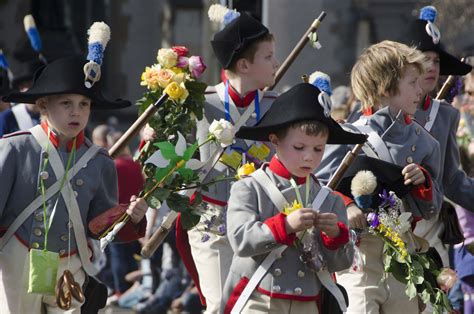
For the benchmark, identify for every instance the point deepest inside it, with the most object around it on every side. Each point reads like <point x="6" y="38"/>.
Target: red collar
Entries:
<point x="407" y="118"/>
<point x="427" y="102"/>
<point x="279" y="169"/>
<point x="368" y="111"/>
<point x="241" y="102"/>
<point x="53" y="137"/>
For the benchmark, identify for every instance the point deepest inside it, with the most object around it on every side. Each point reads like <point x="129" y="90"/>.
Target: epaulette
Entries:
<point x="15" y="134"/>
<point x="270" y="94"/>
<point x="210" y="90"/>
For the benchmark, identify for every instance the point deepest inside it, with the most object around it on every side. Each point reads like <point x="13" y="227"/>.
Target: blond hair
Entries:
<point x="379" y="69"/>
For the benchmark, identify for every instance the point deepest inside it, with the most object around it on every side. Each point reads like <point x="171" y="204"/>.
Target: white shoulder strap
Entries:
<point x="375" y="146"/>
<point x="22" y="117"/>
<point x="433" y="113"/>
<point x="52" y="190"/>
<point x="70" y="199"/>
<point x="279" y="200"/>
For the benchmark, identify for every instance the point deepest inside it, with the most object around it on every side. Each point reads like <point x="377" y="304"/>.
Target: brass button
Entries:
<point x="85" y="166"/>
<point x="37" y="232"/>
<point x="413" y="148"/>
<point x="418" y="131"/>
<point x="79" y="182"/>
<point x="409" y="159"/>
<point x="277" y="272"/>
<point x="35" y="245"/>
<point x="298" y="291"/>
<point x="62" y="252"/>
<point x="300" y="273"/>
<point x="39" y="217"/>
<point x="45" y="154"/>
<point x="276" y="288"/>
<point x="44" y="175"/>
<point x="254" y="115"/>
<point x="64" y="237"/>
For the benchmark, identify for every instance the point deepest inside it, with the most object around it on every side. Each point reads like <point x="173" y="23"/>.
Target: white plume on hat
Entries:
<point x="99" y="32"/>
<point x="221" y="14"/>
<point x="363" y="183"/>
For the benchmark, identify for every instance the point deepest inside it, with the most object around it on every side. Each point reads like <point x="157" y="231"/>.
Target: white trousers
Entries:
<point x="212" y="258"/>
<point x="14" y="273"/>
<point x="370" y="289"/>
<point x="261" y="303"/>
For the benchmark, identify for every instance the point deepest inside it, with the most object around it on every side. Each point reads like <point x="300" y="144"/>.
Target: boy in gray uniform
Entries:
<point x="298" y="127"/>
<point x="387" y="73"/>
<point x="42" y="212"/>
<point x="245" y="49"/>
<point x="441" y="119"/>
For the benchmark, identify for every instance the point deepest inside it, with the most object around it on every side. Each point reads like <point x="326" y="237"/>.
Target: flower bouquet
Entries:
<point x="407" y="257"/>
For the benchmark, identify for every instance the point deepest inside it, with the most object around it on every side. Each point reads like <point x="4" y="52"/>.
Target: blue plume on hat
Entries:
<point x="322" y="81"/>
<point x="32" y="32"/>
<point x="3" y="61"/>
<point x="221" y="14"/>
<point x="428" y="13"/>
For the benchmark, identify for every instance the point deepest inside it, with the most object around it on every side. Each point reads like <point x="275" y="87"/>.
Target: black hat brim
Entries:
<point x="389" y="176"/>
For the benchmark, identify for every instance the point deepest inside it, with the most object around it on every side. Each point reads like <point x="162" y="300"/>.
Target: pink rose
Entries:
<point x="446" y="279"/>
<point x="181" y="51"/>
<point x="196" y="66"/>
<point x="182" y="62"/>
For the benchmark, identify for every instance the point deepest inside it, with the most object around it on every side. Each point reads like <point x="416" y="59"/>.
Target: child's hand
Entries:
<point x="356" y="217"/>
<point x="327" y="223"/>
<point x="137" y="209"/>
<point x="413" y="175"/>
<point x="299" y="220"/>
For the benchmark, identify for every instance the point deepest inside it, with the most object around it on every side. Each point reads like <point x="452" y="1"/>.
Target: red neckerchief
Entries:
<point x="427" y="102"/>
<point x="280" y="170"/>
<point x="53" y="137"/>
<point x="241" y="102"/>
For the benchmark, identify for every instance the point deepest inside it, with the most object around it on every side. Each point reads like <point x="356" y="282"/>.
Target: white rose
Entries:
<point x="167" y="58"/>
<point x="223" y="131"/>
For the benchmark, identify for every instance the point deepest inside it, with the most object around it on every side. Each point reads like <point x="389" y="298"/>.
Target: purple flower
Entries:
<point x="182" y="62"/>
<point x="196" y="66"/>
<point x="221" y="229"/>
<point x="205" y="237"/>
<point x="387" y="199"/>
<point x="373" y="218"/>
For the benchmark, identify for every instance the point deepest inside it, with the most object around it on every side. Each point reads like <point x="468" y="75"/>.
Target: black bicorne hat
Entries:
<point x="300" y="103"/>
<point x="235" y="37"/>
<point x="25" y="73"/>
<point x="64" y="76"/>
<point x="425" y="36"/>
<point x="389" y="177"/>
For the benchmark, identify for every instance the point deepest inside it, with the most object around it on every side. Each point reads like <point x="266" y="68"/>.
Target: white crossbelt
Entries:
<point x="279" y="201"/>
<point x="433" y="113"/>
<point x="375" y="146"/>
<point x="22" y="117"/>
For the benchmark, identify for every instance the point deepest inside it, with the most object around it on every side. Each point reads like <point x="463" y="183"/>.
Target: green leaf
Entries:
<point x="189" y="220"/>
<point x="399" y="271"/>
<point x="162" y="172"/>
<point x="167" y="149"/>
<point x="418" y="280"/>
<point x="186" y="173"/>
<point x="178" y="203"/>
<point x="189" y="152"/>
<point x="161" y="194"/>
<point x="410" y="290"/>
<point x="446" y="302"/>
<point x="197" y="199"/>
<point x="425" y="296"/>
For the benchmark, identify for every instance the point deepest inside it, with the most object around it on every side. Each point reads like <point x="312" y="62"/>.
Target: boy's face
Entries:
<point x="409" y="92"/>
<point x="264" y="66"/>
<point x="300" y="153"/>
<point x="430" y="78"/>
<point x="67" y="114"/>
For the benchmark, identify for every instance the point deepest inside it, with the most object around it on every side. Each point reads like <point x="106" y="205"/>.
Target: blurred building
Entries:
<point x="140" y="28"/>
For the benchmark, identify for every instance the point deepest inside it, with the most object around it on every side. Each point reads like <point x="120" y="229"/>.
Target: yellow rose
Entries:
<point x="165" y="77"/>
<point x="177" y="92"/>
<point x="149" y="78"/>
<point x="179" y="78"/>
<point x="245" y="170"/>
<point x="167" y="58"/>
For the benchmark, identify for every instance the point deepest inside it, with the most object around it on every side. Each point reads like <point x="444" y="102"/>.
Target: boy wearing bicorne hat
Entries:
<point x="395" y="70"/>
<point x="441" y="119"/>
<point x="271" y="209"/>
<point x="245" y="49"/>
<point x="57" y="190"/>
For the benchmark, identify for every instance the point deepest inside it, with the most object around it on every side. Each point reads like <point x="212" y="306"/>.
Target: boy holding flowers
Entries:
<point x="299" y="126"/>
<point x="245" y="49"/>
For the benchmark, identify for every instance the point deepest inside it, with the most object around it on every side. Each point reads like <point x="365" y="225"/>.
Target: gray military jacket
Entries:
<point x="214" y="109"/>
<point x="252" y="239"/>
<point x="406" y="143"/>
<point x="455" y="183"/>
<point x="95" y="187"/>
